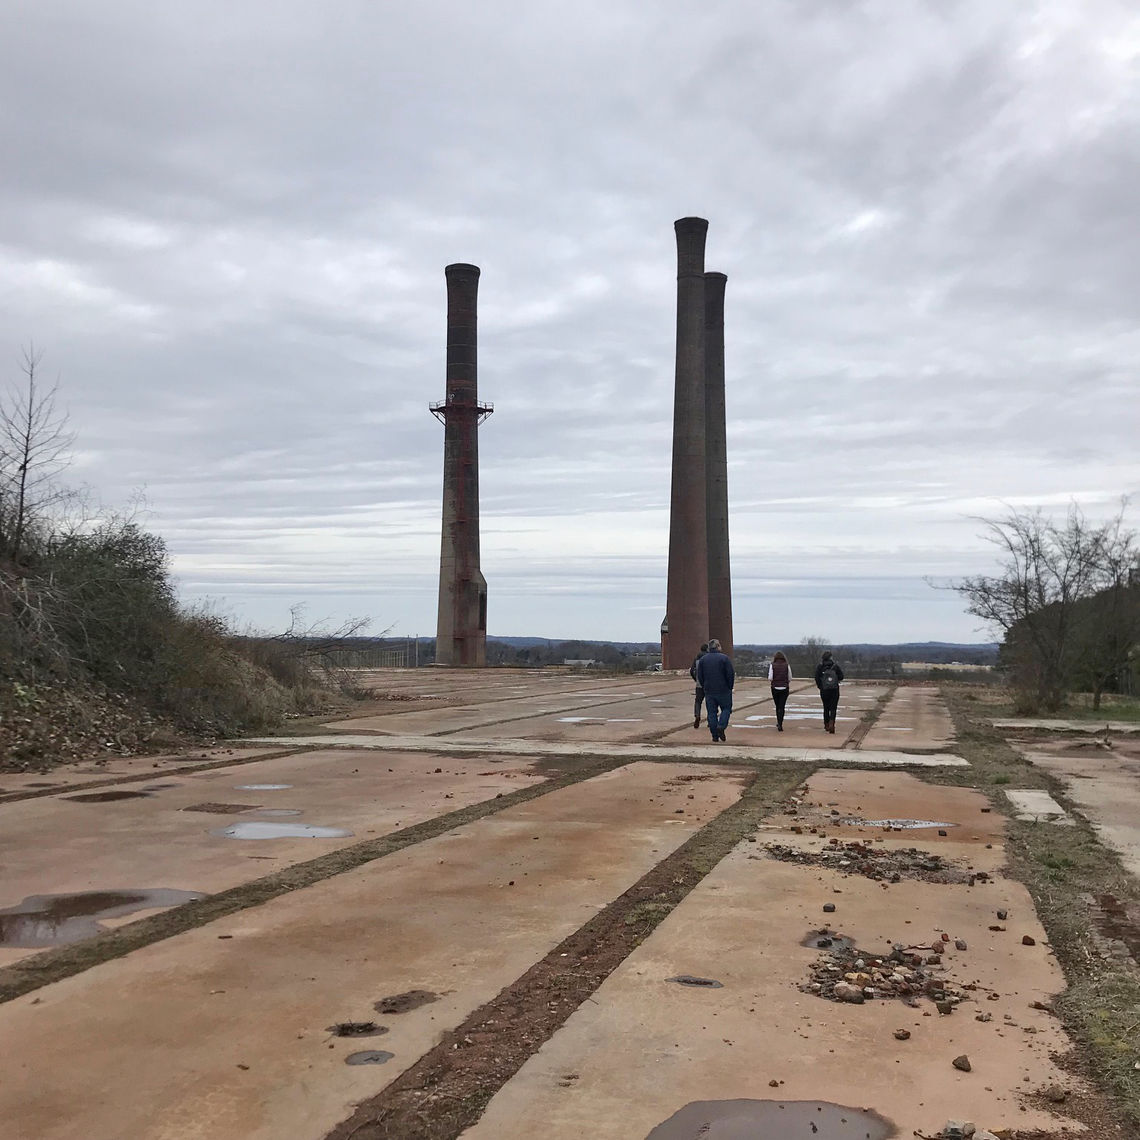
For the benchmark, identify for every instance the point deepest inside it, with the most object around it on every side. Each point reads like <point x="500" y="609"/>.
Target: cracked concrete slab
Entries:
<point x="915" y="717"/>
<point x="1104" y="784"/>
<point x="645" y="1047"/>
<point x="223" y="1028"/>
<point x="58" y="845"/>
<point x="1032" y="805"/>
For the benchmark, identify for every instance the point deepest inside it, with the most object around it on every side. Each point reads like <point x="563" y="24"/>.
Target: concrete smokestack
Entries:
<point x="716" y="463"/>
<point x="461" y="630"/>
<point x="686" y="623"/>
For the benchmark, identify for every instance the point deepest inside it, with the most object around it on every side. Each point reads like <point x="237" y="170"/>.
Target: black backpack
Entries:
<point x="828" y="680"/>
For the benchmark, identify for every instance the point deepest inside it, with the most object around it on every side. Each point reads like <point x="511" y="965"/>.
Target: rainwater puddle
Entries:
<point x="772" y="1120"/>
<point x="581" y="720"/>
<point x="55" y="920"/>
<point x="369" y="1057"/>
<point x="699" y="983"/>
<point x="158" y="787"/>
<point x="263" y="829"/>
<point x="895" y="824"/>
<point x="106" y="797"/>
<point x="279" y="813"/>
<point x="262" y="787"/>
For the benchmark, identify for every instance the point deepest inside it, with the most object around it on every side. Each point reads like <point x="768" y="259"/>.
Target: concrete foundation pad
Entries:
<point x="1035" y="806"/>
<point x="59" y="845"/>
<point x="706" y="750"/>
<point x="1118" y="727"/>
<point x="221" y="1032"/>
<point x="645" y="1047"/>
<point x="1104" y="785"/>
<point x="119" y="767"/>
<point x="916" y="717"/>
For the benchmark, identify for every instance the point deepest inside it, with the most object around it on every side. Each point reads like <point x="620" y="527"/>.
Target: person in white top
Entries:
<point x="780" y="678"/>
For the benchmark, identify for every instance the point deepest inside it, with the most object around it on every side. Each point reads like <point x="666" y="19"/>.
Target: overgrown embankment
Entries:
<point x="98" y="658"/>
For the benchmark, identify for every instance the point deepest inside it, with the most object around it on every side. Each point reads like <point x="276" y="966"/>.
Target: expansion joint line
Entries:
<point x="447" y="1089"/>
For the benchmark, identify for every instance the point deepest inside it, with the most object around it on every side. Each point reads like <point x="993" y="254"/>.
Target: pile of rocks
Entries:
<point x="879" y="863"/>
<point x="907" y="973"/>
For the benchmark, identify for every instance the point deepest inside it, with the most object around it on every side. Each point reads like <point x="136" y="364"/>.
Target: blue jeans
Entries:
<point x="718" y="708"/>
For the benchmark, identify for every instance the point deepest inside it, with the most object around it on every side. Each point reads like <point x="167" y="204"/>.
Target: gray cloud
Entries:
<point x="227" y="227"/>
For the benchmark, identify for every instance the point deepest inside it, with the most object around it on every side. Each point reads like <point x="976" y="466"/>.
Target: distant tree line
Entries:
<point x="1066" y="601"/>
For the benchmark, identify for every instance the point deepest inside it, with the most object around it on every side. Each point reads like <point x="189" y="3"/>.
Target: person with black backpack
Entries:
<point x="699" y="695"/>
<point x="828" y="674"/>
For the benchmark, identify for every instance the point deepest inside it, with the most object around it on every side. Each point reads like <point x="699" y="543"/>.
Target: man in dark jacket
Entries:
<point x="699" y="695"/>
<point x="827" y="677"/>
<point x="716" y="676"/>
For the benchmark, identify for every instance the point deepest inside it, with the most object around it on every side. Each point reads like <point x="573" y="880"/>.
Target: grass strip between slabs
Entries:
<point x="65" y="961"/>
<point x="1064" y="869"/>
<point x="447" y="1089"/>
<point x="151" y="776"/>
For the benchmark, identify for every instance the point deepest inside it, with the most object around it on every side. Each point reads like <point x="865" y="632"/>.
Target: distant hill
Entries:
<point x="981" y="653"/>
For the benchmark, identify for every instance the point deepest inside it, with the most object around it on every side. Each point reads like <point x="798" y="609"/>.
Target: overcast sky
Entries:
<point x="226" y="225"/>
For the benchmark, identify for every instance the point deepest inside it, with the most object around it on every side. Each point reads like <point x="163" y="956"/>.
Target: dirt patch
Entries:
<point x="1118" y="922"/>
<point x="357" y="1029"/>
<point x="448" y="1088"/>
<point x="106" y="797"/>
<point x="222" y="809"/>
<point x="405" y="1002"/>
<point x="878" y="863"/>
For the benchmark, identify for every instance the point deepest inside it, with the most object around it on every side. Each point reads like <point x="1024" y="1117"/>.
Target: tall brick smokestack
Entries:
<point x="686" y="623"/>
<point x="461" y="629"/>
<point x="716" y="465"/>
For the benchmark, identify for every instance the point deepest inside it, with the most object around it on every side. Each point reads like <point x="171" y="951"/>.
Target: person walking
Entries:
<point x="828" y="674"/>
<point x="716" y="676"/>
<point x="780" y="678"/>
<point x="699" y="694"/>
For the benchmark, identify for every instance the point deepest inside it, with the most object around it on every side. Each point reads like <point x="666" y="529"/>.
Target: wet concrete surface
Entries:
<point x="55" y="920"/>
<point x="736" y="750"/>
<point x="1104" y="784"/>
<point x="915" y="716"/>
<point x="753" y="721"/>
<point x="744" y="926"/>
<point x="516" y="701"/>
<point x="56" y="846"/>
<point x="75" y="776"/>
<point x="225" y="1029"/>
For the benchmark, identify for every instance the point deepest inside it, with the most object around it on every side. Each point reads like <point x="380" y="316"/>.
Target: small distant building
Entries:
<point x="581" y="662"/>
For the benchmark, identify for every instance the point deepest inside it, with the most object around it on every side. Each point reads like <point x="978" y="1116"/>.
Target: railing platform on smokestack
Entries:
<point x="441" y="408"/>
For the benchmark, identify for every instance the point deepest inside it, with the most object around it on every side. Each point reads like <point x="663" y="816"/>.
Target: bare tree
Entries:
<point x="34" y="445"/>
<point x="1048" y="570"/>
<point x="1107" y="634"/>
